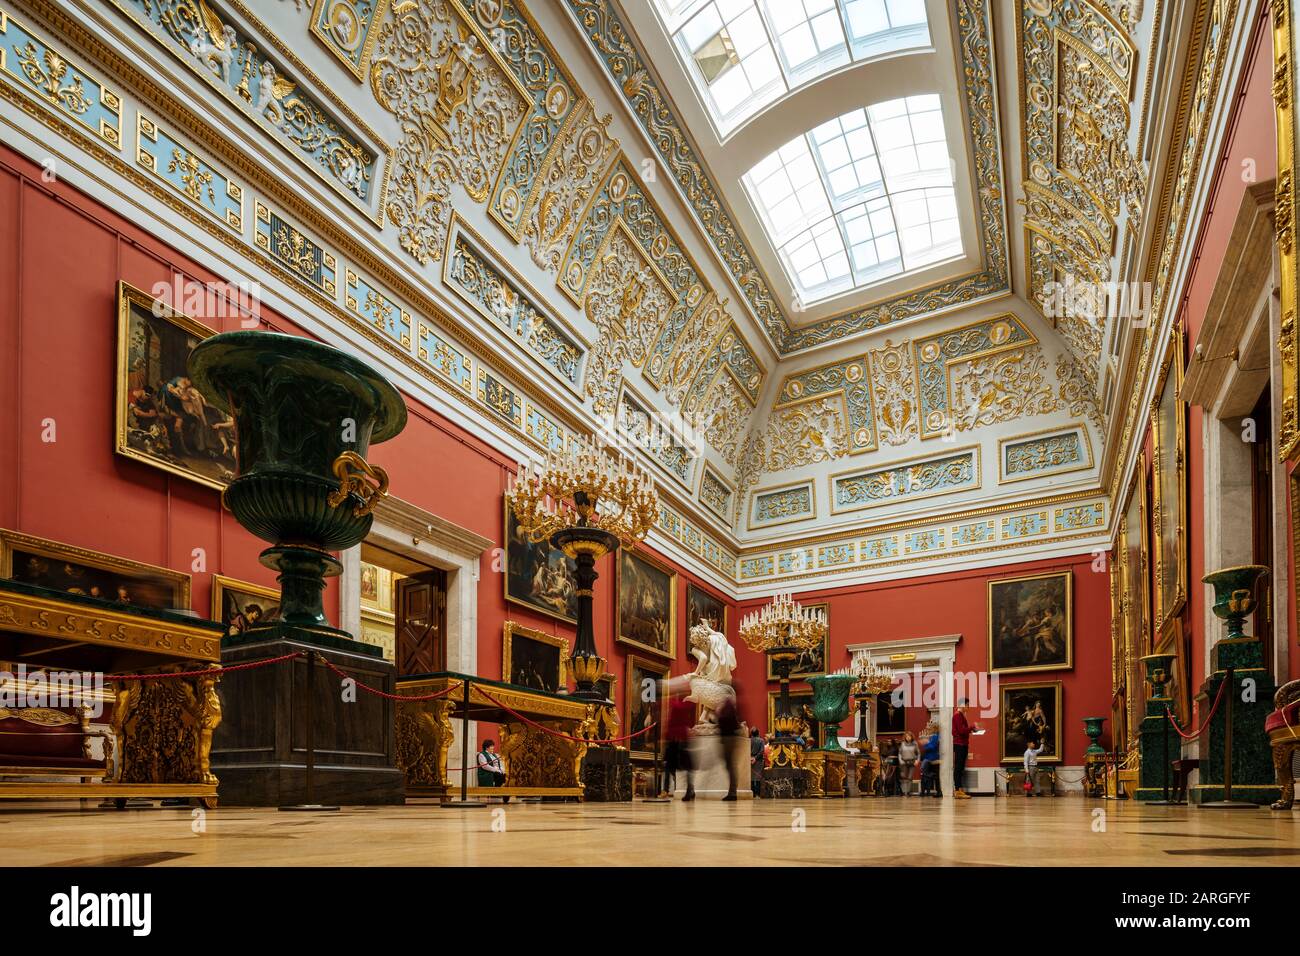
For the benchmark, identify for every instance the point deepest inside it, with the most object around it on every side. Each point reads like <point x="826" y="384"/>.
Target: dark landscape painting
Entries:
<point x="1030" y="623"/>
<point x="538" y="575"/>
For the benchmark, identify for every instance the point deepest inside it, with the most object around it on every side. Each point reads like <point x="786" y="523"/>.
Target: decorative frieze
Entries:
<point x="305" y="258"/>
<point x="906" y="481"/>
<point x="1051" y="452"/>
<point x="183" y="169"/>
<point x="364" y="300"/>
<point x="773" y="506"/>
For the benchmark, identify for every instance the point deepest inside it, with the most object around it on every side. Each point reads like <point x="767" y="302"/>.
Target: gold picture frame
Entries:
<point x="1048" y="590"/>
<point x="708" y="602"/>
<point x="513" y="581"/>
<point x="511" y="659"/>
<point x="1134" y="600"/>
<point x="162" y="588"/>
<point x="1011" y="749"/>
<point x="637" y="669"/>
<point x="224" y="588"/>
<point x="148" y="423"/>
<point x="796" y="698"/>
<point x="823" y="651"/>
<point x="1169" y="487"/>
<point x="1286" y="96"/>
<point x="1171" y="642"/>
<point x="625" y="566"/>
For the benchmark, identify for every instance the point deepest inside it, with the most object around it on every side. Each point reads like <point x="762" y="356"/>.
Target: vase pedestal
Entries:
<point x="827" y="770"/>
<point x="1253" y="779"/>
<point x="259" y="752"/>
<point x="607" y="775"/>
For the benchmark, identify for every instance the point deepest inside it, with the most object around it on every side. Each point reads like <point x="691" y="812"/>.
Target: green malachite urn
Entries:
<point x="831" y="705"/>
<point x="1092" y="726"/>
<point x="1234" y="595"/>
<point x="305" y="416"/>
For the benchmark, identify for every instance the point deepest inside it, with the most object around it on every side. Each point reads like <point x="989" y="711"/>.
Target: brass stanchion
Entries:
<point x="464" y="802"/>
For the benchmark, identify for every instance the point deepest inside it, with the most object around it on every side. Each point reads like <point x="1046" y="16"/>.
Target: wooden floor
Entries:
<point x="885" y="832"/>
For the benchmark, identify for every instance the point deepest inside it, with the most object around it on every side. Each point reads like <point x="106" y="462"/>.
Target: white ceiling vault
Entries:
<point x="800" y="252"/>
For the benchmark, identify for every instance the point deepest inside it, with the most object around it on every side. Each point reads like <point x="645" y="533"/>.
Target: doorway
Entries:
<point x="404" y="610"/>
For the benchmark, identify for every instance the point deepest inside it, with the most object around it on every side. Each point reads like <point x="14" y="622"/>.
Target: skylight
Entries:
<point x="863" y="197"/>
<point x="744" y="54"/>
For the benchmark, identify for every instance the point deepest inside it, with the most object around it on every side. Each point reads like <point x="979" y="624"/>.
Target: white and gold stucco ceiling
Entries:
<point x="800" y="253"/>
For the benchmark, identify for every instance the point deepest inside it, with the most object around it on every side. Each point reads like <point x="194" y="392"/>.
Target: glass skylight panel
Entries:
<point x="744" y="54"/>
<point x="860" y="198"/>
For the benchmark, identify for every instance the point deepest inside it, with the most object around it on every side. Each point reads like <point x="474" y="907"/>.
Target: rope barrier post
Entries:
<point x="1227" y="803"/>
<point x="310" y="723"/>
<point x="464" y="802"/>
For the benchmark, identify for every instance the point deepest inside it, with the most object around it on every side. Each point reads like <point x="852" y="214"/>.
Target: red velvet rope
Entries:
<point x="384" y="694"/>
<point x="1213" y="710"/>
<point x="208" y="672"/>
<point x="556" y="733"/>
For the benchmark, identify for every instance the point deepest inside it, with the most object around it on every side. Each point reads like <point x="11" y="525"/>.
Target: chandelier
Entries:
<point x="783" y="623"/>
<point x="584" y="487"/>
<point x="870" y="680"/>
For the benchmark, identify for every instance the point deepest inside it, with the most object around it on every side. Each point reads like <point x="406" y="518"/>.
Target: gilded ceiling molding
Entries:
<point x="1001" y="388"/>
<point x="623" y="61"/>
<point x="347" y="29"/>
<point x="1077" y="67"/>
<point x="957" y="470"/>
<point x="458" y="109"/>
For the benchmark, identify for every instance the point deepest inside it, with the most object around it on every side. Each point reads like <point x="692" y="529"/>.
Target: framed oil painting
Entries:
<point x="537" y="575"/>
<point x="532" y="659"/>
<point x="646" y="616"/>
<point x="1030" y="712"/>
<point x="65" y="567"/>
<point x="606" y="685"/>
<point x="810" y="663"/>
<point x="162" y="419"/>
<point x="891" y="716"/>
<point x="801" y="707"/>
<point x="644" y="705"/>
<point x="240" y="605"/>
<point x="1286" y="103"/>
<point x="1171" y="642"/>
<point x="1031" y="623"/>
<point x="1169" y="489"/>
<point x="701" y="605"/>
<point x="1134" y="603"/>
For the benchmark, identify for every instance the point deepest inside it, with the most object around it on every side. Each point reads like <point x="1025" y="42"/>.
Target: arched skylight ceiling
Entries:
<point x="745" y="54"/>
<point x="861" y="198"/>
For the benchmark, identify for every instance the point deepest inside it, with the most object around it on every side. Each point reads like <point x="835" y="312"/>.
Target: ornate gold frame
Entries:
<point x="58" y="551"/>
<point x="508" y="633"/>
<point x="221" y="584"/>
<point x="752" y="503"/>
<point x="1134" y="589"/>
<point x="368" y="44"/>
<point x="505" y="573"/>
<point x="977" y="471"/>
<point x="640" y="555"/>
<point x="774" y="695"/>
<point x="1171" y="641"/>
<point x="655" y="667"/>
<point x="826" y="648"/>
<point x="726" y="611"/>
<point x="1003" y="690"/>
<point x="1078" y="427"/>
<point x="1068" y="574"/>
<point x="1286" y="58"/>
<point x="127" y="296"/>
<point x="1169" y="455"/>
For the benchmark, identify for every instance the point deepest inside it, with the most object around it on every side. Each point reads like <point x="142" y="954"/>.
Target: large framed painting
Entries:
<point x="703" y="606"/>
<point x="812" y="662"/>
<point x="1171" y="642"/>
<point x="537" y="575"/>
<point x="1134" y="603"/>
<point x="1286" y="101"/>
<point x="65" y="567"/>
<point x="162" y="419"/>
<point x="891" y="715"/>
<point x="1169" y="489"/>
<point x="240" y="605"/>
<point x="801" y="702"/>
<point x="646" y="617"/>
<point x="533" y="659"/>
<point x="1031" y="623"/>
<point x="1030" y="712"/>
<point x="644" y="705"/>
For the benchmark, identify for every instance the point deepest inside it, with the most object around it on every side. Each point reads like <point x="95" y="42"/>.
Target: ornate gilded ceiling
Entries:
<point x="500" y="198"/>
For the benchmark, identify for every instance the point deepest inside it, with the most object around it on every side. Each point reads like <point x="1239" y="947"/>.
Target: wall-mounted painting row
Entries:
<point x="645" y="708"/>
<point x="533" y="659"/>
<point x="1030" y="713"/>
<point x="1031" y="623"/>
<point x="646" y="617"/>
<point x="538" y="576"/>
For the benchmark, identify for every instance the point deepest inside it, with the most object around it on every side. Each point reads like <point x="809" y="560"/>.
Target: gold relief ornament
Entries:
<point x="360" y="479"/>
<point x="47" y="73"/>
<point x="424" y="736"/>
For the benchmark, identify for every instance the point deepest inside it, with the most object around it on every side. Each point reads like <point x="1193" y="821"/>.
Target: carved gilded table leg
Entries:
<point x="424" y="736"/>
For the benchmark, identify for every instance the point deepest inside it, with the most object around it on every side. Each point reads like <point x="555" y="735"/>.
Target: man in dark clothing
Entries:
<point x="681" y="717"/>
<point x="961" y="729"/>
<point x="756" y="749"/>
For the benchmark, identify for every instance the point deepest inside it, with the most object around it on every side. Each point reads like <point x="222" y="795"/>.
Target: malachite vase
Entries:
<point x="1157" y="668"/>
<point x="1234" y="595"/>
<point x="1092" y="726"/>
<point x="305" y="416"/>
<point x="831" y="704"/>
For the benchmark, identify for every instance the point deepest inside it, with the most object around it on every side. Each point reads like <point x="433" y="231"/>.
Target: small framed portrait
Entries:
<point x="65" y="567"/>
<point x="1031" y="623"/>
<point x="162" y="419"/>
<point x="891" y="715"/>
<point x="811" y="663"/>
<point x="646" y="616"/>
<point x="606" y="685"/>
<point x="1030" y="712"/>
<point x="703" y="606"/>
<point x="240" y="605"/>
<point x="533" y="659"/>
<point x="644" y="705"/>
<point x="538" y="576"/>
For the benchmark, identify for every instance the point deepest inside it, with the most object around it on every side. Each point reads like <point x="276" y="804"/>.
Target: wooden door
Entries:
<point x="421" y="624"/>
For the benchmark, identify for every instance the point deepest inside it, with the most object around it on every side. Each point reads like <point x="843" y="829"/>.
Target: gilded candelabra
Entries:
<point x="586" y="503"/>
<point x="869" y="682"/>
<point x="782" y="630"/>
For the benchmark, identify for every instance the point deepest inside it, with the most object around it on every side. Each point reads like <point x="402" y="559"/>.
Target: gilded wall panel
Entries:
<point x="1000" y="388"/>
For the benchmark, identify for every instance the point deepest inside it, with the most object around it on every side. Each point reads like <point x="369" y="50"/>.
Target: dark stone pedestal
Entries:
<point x="1253" y="779"/>
<point x="607" y="775"/>
<point x="1155" y="761"/>
<point x="787" y="783"/>
<point x="259" y="751"/>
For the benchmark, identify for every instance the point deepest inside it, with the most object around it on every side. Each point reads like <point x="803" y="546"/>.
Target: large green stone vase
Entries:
<point x="1092" y="726"/>
<point x="831" y="705"/>
<point x="305" y="415"/>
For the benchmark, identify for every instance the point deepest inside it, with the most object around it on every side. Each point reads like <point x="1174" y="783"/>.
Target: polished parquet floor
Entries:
<point x="892" y="832"/>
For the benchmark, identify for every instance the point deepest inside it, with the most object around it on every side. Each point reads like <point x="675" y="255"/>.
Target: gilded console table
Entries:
<point x="161" y="729"/>
<point x="826" y="772"/>
<point x="537" y="763"/>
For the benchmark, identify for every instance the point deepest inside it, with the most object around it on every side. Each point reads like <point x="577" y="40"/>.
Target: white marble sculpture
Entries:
<point x="710" y="682"/>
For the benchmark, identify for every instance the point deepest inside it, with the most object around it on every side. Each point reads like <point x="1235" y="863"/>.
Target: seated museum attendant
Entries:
<point x="490" y="771"/>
